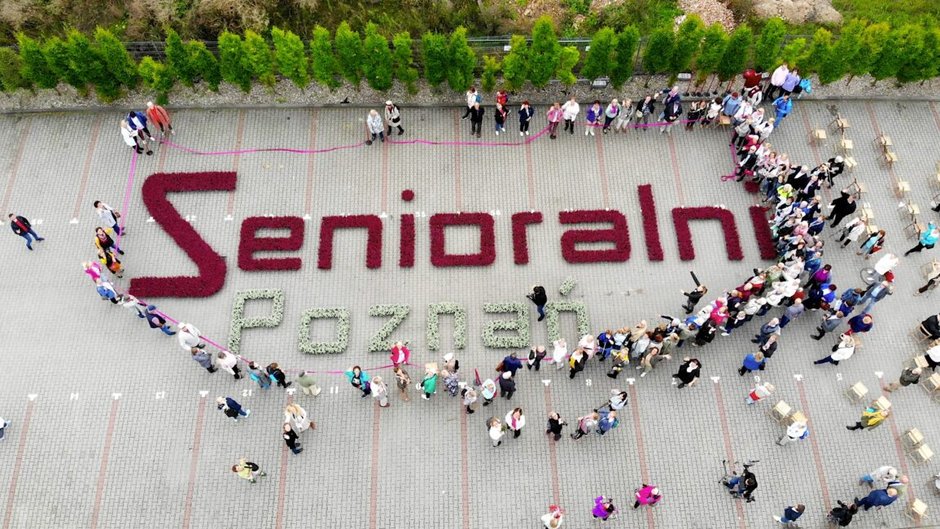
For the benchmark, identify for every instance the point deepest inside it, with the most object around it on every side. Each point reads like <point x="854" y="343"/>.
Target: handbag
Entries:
<point x="639" y="114"/>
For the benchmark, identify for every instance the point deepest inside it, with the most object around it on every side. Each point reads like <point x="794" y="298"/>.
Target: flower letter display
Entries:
<point x="373" y="249"/>
<point x="240" y="322"/>
<point x="765" y="240"/>
<point x="380" y="340"/>
<point x="251" y="243"/>
<point x="681" y="218"/>
<point x="520" y="240"/>
<point x="306" y="345"/>
<point x="211" y="265"/>
<point x="616" y="234"/>
<point x="460" y="324"/>
<point x="519" y="326"/>
<point x="552" y="310"/>
<point x="439" y="223"/>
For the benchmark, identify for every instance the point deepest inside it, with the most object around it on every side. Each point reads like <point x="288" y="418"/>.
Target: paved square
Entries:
<point x="109" y="428"/>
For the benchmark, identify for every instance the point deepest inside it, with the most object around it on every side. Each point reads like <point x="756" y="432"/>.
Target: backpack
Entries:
<point x="806" y="85"/>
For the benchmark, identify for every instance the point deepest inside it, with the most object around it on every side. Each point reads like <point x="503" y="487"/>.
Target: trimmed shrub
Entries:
<point x="89" y="66"/>
<point x="688" y="41"/>
<point x="737" y="54"/>
<point x="34" y="65"/>
<point x="658" y="53"/>
<point x="290" y="55"/>
<point x="600" y="57"/>
<point x="888" y="62"/>
<point x="490" y="71"/>
<point x="567" y="60"/>
<point x="56" y="52"/>
<point x="461" y="60"/>
<point x="10" y="77"/>
<point x="259" y="58"/>
<point x="202" y="60"/>
<point x="913" y="56"/>
<point x="847" y="50"/>
<point x="157" y="77"/>
<point x="349" y="53"/>
<point x="118" y="63"/>
<point x="323" y="59"/>
<point x="794" y="51"/>
<point x="376" y="59"/>
<point x="404" y="61"/>
<point x="516" y="63"/>
<point x="177" y="59"/>
<point x="434" y="53"/>
<point x="543" y="53"/>
<point x="232" y="63"/>
<point x="769" y="44"/>
<point x="625" y="55"/>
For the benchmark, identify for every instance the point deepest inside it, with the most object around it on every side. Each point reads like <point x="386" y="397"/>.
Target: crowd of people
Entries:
<point x="800" y="282"/>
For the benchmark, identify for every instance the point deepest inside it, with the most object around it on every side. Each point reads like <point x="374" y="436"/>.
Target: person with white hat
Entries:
<point x="379" y="391"/>
<point x="451" y="363"/>
<point x="488" y="391"/>
<point x="507" y="386"/>
<point x="393" y="118"/>
<point x="554" y="518"/>
<point x="495" y="429"/>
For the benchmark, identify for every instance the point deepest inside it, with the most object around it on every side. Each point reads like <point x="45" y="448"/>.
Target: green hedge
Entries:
<point x="907" y="53"/>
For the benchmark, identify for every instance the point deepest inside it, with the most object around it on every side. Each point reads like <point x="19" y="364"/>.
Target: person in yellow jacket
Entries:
<point x="248" y="470"/>
<point x="871" y="418"/>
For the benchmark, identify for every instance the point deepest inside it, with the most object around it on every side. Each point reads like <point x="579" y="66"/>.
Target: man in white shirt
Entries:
<point x="108" y="216"/>
<point x="570" y="111"/>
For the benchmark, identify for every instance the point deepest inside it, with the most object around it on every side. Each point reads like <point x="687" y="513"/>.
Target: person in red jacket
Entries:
<point x="159" y="115"/>
<point x="22" y="227"/>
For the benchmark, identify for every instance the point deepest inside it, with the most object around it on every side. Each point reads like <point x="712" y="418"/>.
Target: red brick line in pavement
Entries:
<point x="86" y="167"/>
<point x="817" y="457"/>
<point x="17" y="467"/>
<point x="384" y="199"/>
<point x="239" y="135"/>
<point x="15" y="166"/>
<point x="675" y="169"/>
<point x="464" y="471"/>
<point x="552" y="452"/>
<point x="374" y="473"/>
<point x="458" y="198"/>
<point x="602" y="169"/>
<point x="874" y="125"/>
<point x="641" y="449"/>
<point x="530" y="174"/>
<point x="194" y="463"/>
<point x="282" y="480"/>
<point x="311" y="163"/>
<point x="729" y="451"/>
<point x="902" y="455"/>
<point x="103" y="467"/>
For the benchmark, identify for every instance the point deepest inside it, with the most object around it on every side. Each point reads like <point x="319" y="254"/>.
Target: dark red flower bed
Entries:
<point x="616" y="234"/>
<point x="487" y="254"/>
<point x="520" y="240"/>
<point x="406" y="256"/>
<point x="681" y="218"/>
<point x="250" y="243"/>
<point x="654" y="247"/>
<point x="211" y="265"/>
<point x="765" y="239"/>
<point x="373" y="248"/>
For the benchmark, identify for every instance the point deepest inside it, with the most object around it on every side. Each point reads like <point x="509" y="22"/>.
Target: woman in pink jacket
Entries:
<point x="647" y="495"/>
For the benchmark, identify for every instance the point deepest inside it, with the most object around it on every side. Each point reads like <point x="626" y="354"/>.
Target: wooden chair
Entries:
<point x="911" y="439"/>
<point x="818" y="136"/>
<point x="794" y="417"/>
<point x="851" y="164"/>
<point x="867" y="213"/>
<point x="902" y="188"/>
<point x="881" y="403"/>
<point x="857" y="392"/>
<point x="846" y="146"/>
<point x="780" y="411"/>
<point x="922" y="455"/>
<point x="840" y="124"/>
<point x="931" y="384"/>
<point x="883" y="141"/>
<point x="916" y="511"/>
<point x="921" y="362"/>
<point x="871" y="229"/>
<point x="889" y="159"/>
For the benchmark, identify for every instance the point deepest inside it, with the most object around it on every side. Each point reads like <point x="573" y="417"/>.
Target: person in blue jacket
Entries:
<point x="877" y="498"/>
<point x="927" y="239"/>
<point x="359" y="379"/>
<point x="752" y="362"/>
<point x="782" y="108"/>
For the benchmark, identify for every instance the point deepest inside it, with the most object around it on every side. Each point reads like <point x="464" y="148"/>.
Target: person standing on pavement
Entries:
<point x="829" y="324"/>
<point x="258" y="375"/>
<point x="402" y="380"/>
<point x="156" y="321"/>
<point x="399" y="354"/>
<point x="290" y="439"/>
<point x="928" y="239"/>
<point x="603" y="508"/>
<point x="693" y="297"/>
<point x="379" y="392"/>
<point x="570" y="111"/>
<point x="132" y="138"/>
<point x="525" y="116"/>
<point x="841" y="207"/>
<point x="248" y="470"/>
<point x="231" y="408"/>
<point x="488" y="391"/>
<point x="555" y="425"/>
<point x="593" y="117"/>
<point x="108" y="216"/>
<point x="204" y="359"/>
<point x="157" y="114"/>
<point x="610" y="114"/>
<point x="468" y="398"/>
<point x="554" y="115"/>
<point x="308" y="384"/>
<point x="775" y="87"/>
<point x="791" y="514"/>
<point x="689" y="372"/>
<point x="22" y="227"/>
<point x="507" y="386"/>
<point x="495" y="430"/>
<point x="842" y="515"/>
<point x="393" y="118"/>
<point x="796" y="431"/>
<point x="428" y="384"/>
<point x="229" y="363"/>
<point x="476" y="119"/>
<point x="553" y="518"/>
<point x="792" y="312"/>
<point x="586" y="425"/>
<point x="499" y="118"/>
<point x="358" y="379"/>
<point x="871" y="418"/>
<point x="782" y="108"/>
<point x="608" y="421"/>
<point x="618" y="399"/>
<point x="3" y="426"/>
<point x="277" y="375"/>
<point x="840" y="351"/>
<point x="880" y="477"/>
<point x="877" y="498"/>
<point x="576" y="362"/>
<point x="374" y="127"/>
<point x="761" y="390"/>
<point x="909" y="376"/>
<point x="515" y="420"/>
<point x="189" y="337"/>
<point x="540" y="298"/>
<point x="138" y="122"/>
<point x="536" y="355"/>
<point x="472" y="98"/>
<point x="297" y="417"/>
<point x="752" y="362"/>
<point x="648" y="495"/>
